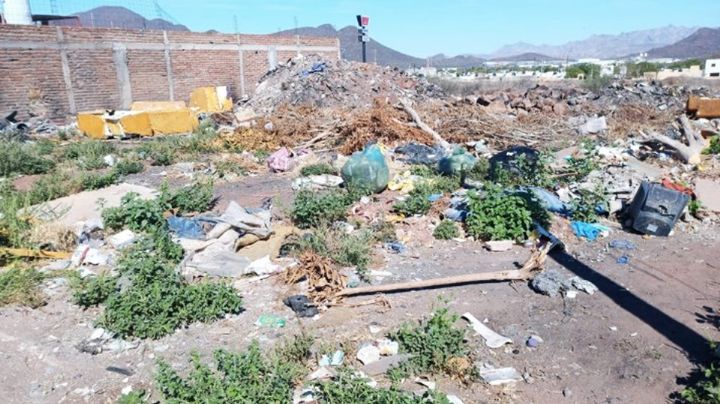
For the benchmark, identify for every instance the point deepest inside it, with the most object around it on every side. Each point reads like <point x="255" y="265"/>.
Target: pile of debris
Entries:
<point x="313" y="81"/>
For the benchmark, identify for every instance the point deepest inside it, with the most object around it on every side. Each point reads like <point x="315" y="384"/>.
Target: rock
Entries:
<point x="322" y="373"/>
<point x="496" y="107"/>
<point x="593" y="125"/>
<point x="122" y="239"/>
<point x="560" y="108"/>
<point x="109" y="160"/>
<point x="500" y="245"/>
<point x="534" y="341"/>
<point x="388" y="347"/>
<point x="57" y="266"/>
<point x="368" y="354"/>
<point x="708" y="192"/>
<point x="96" y="257"/>
<point x="383" y="365"/>
<point x="581" y="284"/>
<point x="549" y="283"/>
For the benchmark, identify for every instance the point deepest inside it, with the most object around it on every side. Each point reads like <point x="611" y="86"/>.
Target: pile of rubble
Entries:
<point x="313" y="81"/>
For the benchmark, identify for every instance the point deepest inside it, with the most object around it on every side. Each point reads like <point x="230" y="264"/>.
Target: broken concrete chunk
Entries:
<point x="368" y="354"/>
<point x="122" y="239"/>
<point x="708" y="192"/>
<point x="593" y="125"/>
<point x="383" y="365"/>
<point x="550" y="283"/>
<point x="583" y="285"/>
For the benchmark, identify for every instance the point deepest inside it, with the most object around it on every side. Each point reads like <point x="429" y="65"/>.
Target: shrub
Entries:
<point x="585" y="207"/>
<point x="707" y="390"/>
<point x="318" y="169"/>
<point x="312" y="209"/>
<point x="92" y="291"/>
<point x="52" y="186"/>
<point x="97" y="181"/>
<point x="21" y="286"/>
<point x="135" y="213"/>
<point x="89" y="154"/>
<point x="197" y="197"/>
<point x="246" y="377"/>
<point x="126" y="167"/>
<point x="432" y="343"/>
<point x="159" y="152"/>
<point x="416" y="203"/>
<point x="714" y="147"/>
<point x="353" y="250"/>
<point x="446" y="230"/>
<point x="19" y="158"/>
<point x="349" y="388"/>
<point x="499" y="216"/>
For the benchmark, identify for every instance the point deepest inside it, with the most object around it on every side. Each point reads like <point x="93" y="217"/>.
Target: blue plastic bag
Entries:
<point x="186" y="228"/>
<point x="367" y="170"/>
<point x="590" y="231"/>
<point x="458" y="162"/>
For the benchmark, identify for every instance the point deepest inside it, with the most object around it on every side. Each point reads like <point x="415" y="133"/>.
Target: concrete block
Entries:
<point x="210" y="99"/>
<point x="92" y="124"/>
<point x="144" y="106"/>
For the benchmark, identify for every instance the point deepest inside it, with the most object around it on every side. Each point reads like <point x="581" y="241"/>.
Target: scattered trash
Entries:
<point x="621" y="244"/>
<point x="655" y="209"/>
<point x="301" y="305"/>
<point x="492" y="339"/>
<point x="458" y="162"/>
<point x="593" y="126"/>
<point x="388" y="347"/>
<point x="367" y="170"/>
<point x="122" y="239"/>
<point x="534" y="341"/>
<point x="368" y="353"/>
<point x="186" y="227"/>
<point x="623" y="260"/>
<point x="419" y="154"/>
<point x="590" y="231"/>
<point x="270" y="320"/>
<point x="335" y="360"/>
<point x="500" y="376"/>
<point x="403" y="182"/>
<point x="317" y="182"/>
<point x="500" y="245"/>
<point x="514" y="160"/>
<point x="395" y="247"/>
<point x="280" y="160"/>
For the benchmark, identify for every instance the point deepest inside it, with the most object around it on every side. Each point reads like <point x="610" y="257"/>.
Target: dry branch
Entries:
<point x="690" y="153"/>
<point x="422" y="125"/>
<point x="533" y="265"/>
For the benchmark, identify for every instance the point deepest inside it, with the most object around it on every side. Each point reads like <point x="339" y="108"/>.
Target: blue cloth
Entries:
<point x="434" y="197"/>
<point x="395" y="246"/>
<point x="622" y="244"/>
<point x="316" y="68"/>
<point x="186" y="228"/>
<point x="590" y="231"/>
<point x="549" y="200"/>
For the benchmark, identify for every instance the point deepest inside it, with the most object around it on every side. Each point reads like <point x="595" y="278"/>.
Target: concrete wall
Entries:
<point x="712" y="68"/>
<point x="58" y="71"/>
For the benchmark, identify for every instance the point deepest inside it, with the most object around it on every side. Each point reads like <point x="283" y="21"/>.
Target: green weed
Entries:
<point x="499" y="216"/>
<point x="313" y="209"/>
<point x="92" y="291"/>
<point x="135" y="213"/>
<point x="432" y="343"/>
<point x="707" y="389"/>
<point x="22" y="158"/>
<point x="89" y="154"/>
<point x="415" y="204"/>
<point x="127" y="167"/>
<point x="714" y="147"/>
<point x="197" y="197"/>
<point x="21" y="286"/>
<point x="318" y="169"/>
<point x="446" y="230"/>
<point x="585" y="206"/>
<point x="133" y="397"/>
<point x="98" y="180"/>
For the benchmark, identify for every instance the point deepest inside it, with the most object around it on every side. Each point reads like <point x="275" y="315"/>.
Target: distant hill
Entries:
<point x="120" y="17"/>
<point x="351" y="48"/>
<point x="461" y="61"/>
<point x="524" y="57"/>
<point x="603" y="46"/>
<point x="704" y="43"/>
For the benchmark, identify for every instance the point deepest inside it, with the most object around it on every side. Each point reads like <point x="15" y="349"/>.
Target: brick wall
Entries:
<point x="56" y="71"/>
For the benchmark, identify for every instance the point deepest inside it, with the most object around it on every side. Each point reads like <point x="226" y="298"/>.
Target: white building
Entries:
<point x="712" y="68"/>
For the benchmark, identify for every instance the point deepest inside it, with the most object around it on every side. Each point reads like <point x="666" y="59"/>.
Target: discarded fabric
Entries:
<point x="621" y="244"/>
<point x="270" y="320"/>
<point x="590" y="231"/>
<point x="419" y="154"/>
<point x="458" y="162"/>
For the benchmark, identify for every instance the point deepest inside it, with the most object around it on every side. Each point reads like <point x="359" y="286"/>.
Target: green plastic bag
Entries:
<point x="367" y="170"/>
<point x="458" y="162"/>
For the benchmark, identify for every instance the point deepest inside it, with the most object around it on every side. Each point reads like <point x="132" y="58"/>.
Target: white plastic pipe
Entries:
<point x="18" y="12"/>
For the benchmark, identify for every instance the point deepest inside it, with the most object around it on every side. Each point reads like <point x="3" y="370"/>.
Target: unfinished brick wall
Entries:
<point x="58" y="71"/>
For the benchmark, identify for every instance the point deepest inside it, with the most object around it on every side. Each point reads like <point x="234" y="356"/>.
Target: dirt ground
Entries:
<point x="633" y="341"/>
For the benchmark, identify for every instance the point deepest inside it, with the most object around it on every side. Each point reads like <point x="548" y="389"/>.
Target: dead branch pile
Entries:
<point x="382" y="122"/>
<point x="324" y="281"/>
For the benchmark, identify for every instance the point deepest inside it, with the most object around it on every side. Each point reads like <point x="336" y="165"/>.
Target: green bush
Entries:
<point x="499" y="216"/>
<point x="21" y="286"/>
<point x="318" y="169"/>
<point x="416" y="203"/>
<point x="92" y="291"/>
<point x="89" y="154"/>
<point x="135" y="213"/>
<point x="707" y="389"/>
<point x="91" y="181"/>
<point x="585" y="206"/>
<point x="127" y="167"/>
<point x="313" y="209"/>
<point x="159" y="152"/>
<point x="349" y="388"/>
<point x="526" y="173"/>
<point x="246" y="377"/>
<point x="133" y="397"/>
<point x="158" y="300"/>
<point x="52" y="186"/>
<point x="20" y="158"/>
<point x="446" y="230"/>
<point x="432" y="343"/>
<point x="197" y="197"/>
<point x="714" y="147"/>
<point x="353" y="250"/>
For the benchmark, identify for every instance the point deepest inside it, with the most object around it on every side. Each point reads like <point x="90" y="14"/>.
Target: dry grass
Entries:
<point x="324" y="281"/>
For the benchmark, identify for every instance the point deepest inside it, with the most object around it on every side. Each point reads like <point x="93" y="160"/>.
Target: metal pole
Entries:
<point x="364" y="44"/>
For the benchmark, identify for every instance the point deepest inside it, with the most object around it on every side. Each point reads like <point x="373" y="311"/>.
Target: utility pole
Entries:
<point x="363" y="37"/>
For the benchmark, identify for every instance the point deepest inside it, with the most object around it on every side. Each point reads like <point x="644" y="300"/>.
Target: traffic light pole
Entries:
<point x="363" y="37"/>
<point x="364" y="46"/>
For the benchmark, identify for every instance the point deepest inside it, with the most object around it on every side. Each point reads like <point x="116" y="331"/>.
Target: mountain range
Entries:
<point x="664" y="42"/>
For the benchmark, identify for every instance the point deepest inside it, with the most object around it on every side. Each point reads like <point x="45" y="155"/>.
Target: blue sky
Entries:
<point x="427" y="27"/>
